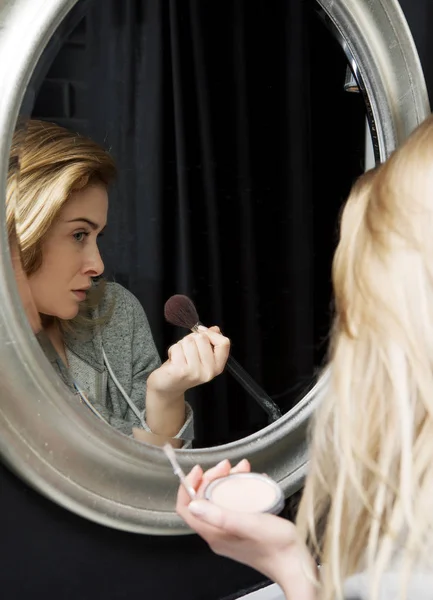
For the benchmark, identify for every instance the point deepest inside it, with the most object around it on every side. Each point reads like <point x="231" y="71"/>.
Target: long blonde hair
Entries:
<point x="48" y="163"/>
<point x="368" y="496"/>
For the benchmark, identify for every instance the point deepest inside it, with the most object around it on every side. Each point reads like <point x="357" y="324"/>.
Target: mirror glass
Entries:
<point x="236" y="131"/>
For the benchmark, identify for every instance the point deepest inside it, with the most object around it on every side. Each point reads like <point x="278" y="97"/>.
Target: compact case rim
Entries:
<point x="275" y="508"/>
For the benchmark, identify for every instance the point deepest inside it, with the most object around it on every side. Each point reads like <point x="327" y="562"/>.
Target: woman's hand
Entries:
<point x="264" y="542"/>
<point x="196" y="359"/>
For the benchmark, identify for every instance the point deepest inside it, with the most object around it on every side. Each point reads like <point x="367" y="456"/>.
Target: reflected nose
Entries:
<point x="95" y="264"/>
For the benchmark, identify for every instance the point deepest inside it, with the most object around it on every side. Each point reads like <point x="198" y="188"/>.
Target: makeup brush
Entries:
<point x="177" y="470"/>
<point x="179" y="310"/>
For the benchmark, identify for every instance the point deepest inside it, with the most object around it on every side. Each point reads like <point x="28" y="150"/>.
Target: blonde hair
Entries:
<point x="367" y="497"/>
<point x="48" y="163"/>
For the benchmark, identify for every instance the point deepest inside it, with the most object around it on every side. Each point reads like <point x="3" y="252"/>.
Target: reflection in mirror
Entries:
<point x="180" y="310"/>
<point x="94" y="333"/>
<point x="226" y="191"/>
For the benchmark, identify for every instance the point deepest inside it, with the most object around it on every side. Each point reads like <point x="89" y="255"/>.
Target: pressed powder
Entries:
<point x="246" y="492"/>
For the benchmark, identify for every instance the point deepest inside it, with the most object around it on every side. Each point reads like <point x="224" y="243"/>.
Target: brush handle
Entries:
<point x="248" y="383"/>
<point x="253" y="388"/>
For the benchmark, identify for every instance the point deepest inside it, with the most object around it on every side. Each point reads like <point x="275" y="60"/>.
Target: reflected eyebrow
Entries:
<point x="92" y="224"/>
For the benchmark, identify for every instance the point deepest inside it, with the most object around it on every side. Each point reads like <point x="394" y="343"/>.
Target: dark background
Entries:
<point x="244" y="190"/>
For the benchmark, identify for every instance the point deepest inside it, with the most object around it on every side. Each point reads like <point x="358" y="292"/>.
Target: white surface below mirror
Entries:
<point x="271" y="592"/>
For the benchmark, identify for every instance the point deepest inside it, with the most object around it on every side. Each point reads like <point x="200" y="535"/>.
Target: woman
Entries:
<point x="57" y="203"/>
<point x="366" y="512"/>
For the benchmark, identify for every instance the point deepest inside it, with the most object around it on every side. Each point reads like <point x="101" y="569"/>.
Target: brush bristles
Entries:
<point x="179" y="310"/>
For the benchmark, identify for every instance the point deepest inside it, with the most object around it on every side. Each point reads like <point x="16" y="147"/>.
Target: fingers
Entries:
<point x="194" y="478"/>
<point x="224" y="468"/>
<point x="210" y="513"/>
<point x="183" y="498"/>
<point x="215" y="335"/>
<point x="242" y="467"/>
<point x="231" y="522"/>
<point x="176" y="355"/>
<point x="221" y="346"/>
<point x="199" y="479"/>
<point x="191" y="352"/>
<point x="205" y="353"/>
<point x="206" y="531"/>
<point x="221" y="470"/>
<point x="204" y="517"/>
<point x="193" y="349"/>
<point x="241" y="525"/>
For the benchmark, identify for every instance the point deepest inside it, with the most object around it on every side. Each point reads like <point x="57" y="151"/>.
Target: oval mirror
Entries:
<point x="226" y="193"/>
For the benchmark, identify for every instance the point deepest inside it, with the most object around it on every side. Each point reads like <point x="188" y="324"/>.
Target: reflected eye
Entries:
<point x="80" y="236"/>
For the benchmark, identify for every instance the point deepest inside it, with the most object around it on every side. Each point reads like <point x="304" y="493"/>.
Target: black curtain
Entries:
<point x="206" y="108"/>
<point x="236" y="146"/>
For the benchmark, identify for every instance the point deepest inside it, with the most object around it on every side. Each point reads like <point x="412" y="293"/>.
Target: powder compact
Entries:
<point x="246" y="492"/>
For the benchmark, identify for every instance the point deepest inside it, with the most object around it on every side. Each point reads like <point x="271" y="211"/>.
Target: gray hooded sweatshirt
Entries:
<point x="116" y="359"/>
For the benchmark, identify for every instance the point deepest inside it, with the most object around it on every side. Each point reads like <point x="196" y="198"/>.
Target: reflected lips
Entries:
<point x="80" y="294"/>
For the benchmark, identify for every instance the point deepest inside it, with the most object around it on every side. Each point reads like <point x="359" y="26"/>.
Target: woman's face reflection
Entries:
<point x="70" y="254"/>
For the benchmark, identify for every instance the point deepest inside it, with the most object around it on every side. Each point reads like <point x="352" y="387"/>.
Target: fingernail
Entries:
<point x="242" y="462"/>
<point x="194" y="470"/>
<point x="212" y="470"/>
<point x="202" y="328"/>
<point x="200" y="508"/>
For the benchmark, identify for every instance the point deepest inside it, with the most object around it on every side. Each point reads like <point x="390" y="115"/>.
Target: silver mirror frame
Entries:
<point x="54" y="444"/>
